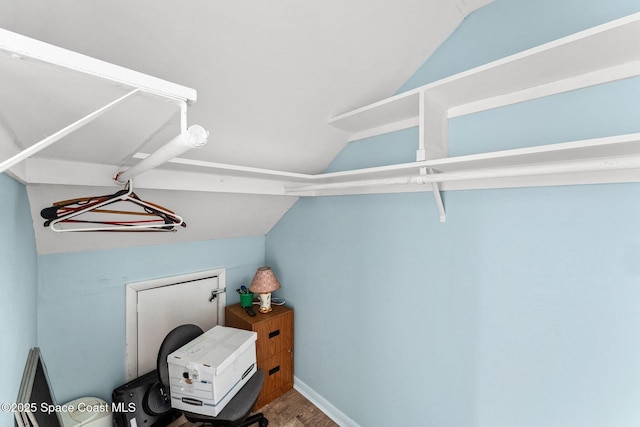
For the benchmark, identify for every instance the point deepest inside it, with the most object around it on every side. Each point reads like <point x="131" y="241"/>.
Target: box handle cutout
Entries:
<point x="274" y="333"/>
<point x="248" y="371"/>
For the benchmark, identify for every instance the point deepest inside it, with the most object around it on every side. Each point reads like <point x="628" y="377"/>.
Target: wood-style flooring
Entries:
<point x="289" y="410"/>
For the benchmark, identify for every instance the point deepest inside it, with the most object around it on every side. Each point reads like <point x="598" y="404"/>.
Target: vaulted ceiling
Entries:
<point x="268" y="75"/>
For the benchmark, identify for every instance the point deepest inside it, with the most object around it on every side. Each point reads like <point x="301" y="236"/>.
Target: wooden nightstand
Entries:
<point x="274" y="347"/>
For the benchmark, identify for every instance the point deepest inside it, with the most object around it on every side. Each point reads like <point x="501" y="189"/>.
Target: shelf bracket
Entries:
<point x="436" y="192"/>
<point x="51" y="139"/>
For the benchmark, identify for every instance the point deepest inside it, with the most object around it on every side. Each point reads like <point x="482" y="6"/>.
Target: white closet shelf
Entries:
<point x="598" y="55"/>
<point x="21" y="47"/>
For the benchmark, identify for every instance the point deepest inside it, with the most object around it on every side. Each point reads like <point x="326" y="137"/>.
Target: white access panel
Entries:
<point x="155" y="307"/>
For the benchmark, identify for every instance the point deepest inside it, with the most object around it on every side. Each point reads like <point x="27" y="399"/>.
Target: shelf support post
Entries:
<point x="434" y="141"/>
<point x="433" y="128"/>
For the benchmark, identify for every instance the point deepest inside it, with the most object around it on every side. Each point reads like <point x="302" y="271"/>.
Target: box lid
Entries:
<point x="214" y="350"/>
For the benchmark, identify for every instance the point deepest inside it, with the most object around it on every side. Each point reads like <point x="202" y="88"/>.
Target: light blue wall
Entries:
<point x="522" y="309"/>
<point x="19" y="285"/>
<point x="81" y="304"/>
<point x="505" y="27"/>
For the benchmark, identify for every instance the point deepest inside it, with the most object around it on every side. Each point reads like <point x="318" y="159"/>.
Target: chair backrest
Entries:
<point x="173" y="341"/>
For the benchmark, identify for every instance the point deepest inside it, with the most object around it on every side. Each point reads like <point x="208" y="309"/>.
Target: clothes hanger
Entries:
<point x="165" y="220"/>
<point x="66" y="211"/>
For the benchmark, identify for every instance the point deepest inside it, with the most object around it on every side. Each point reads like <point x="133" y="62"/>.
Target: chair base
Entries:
<point x="255" y="418"/>
<point x="249" y="421"/>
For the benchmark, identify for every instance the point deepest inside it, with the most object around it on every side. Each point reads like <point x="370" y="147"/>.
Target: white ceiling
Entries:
<point x="269" y="74"/>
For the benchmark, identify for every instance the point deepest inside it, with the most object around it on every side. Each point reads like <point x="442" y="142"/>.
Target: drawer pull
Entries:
<point x="274" y="370"/>
<point x="274" y="333"/>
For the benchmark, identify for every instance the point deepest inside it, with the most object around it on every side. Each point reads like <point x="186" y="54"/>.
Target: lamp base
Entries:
<point x="265" y="303"/>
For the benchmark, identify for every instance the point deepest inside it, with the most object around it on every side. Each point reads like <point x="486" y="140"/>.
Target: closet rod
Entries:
<point x="193" y="137"/>
<point x="567" y="167"/>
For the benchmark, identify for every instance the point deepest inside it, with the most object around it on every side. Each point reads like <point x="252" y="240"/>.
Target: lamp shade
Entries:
<point x="264" y="281"/>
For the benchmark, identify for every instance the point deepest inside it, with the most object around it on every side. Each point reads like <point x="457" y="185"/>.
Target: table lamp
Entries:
<point x="263" y="283"/>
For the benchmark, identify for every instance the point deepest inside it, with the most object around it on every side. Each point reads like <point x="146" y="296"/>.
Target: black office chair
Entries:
<point x="236" y="412"/>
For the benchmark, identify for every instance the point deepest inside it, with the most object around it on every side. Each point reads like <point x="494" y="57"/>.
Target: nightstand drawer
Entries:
<point x="274" y="336"/>
<point x="278" y="375"/>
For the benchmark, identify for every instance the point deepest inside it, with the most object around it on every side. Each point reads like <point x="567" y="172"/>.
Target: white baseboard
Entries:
<point x="332" y="412"/>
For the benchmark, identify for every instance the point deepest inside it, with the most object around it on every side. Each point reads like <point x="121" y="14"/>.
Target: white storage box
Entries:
<point x="206" y="373"/>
